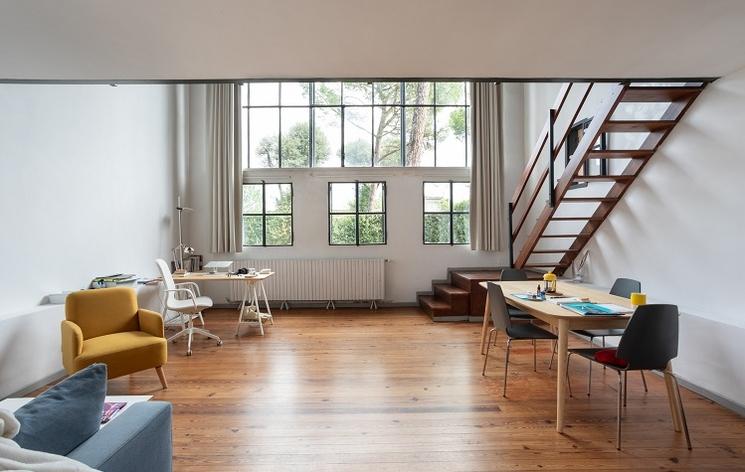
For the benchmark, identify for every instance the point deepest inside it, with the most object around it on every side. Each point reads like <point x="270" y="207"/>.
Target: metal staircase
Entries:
<point x="622" y="134"/>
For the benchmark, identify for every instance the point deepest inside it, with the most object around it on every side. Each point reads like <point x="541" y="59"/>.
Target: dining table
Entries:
<point x="562" y="321"/>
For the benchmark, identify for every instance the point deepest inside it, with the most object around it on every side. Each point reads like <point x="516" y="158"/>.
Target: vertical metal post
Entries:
<point x="551" y="189"/>
<point x="510" y="209"/>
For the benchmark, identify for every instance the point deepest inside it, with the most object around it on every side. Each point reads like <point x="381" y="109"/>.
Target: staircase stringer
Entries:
<point x="570" y="172"/>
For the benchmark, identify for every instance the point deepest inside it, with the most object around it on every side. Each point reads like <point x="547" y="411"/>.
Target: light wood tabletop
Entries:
<point x="562" y="321"/>
<point x="220" y="276"/>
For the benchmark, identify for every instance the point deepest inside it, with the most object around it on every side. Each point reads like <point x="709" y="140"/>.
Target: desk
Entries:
<point x="561" y="321"/>
<point x="249" y="307"/>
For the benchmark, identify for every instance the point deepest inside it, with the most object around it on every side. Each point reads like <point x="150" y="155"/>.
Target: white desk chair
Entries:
<point x="192" y="305"/>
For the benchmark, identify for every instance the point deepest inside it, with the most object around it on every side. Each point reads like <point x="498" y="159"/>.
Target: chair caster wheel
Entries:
<point x="219" y="343"/>
<point x="188" y="353"/>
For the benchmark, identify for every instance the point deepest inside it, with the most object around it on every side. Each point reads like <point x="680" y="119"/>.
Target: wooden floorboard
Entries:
<point x="355" y="390"/>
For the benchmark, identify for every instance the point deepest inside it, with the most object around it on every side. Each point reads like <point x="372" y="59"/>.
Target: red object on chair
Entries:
<point x="608" y="356"/>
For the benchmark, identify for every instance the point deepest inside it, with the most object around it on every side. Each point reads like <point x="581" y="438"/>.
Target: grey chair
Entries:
<point x="515" y="332"/>
<point x="622" y="288"/>
<point x="650" y="342"/>
<point x="515" y="275"/>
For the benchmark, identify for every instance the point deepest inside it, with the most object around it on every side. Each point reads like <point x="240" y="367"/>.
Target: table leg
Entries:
<point x="485" y="324"/>
<point x="266" y="302"/>
<point x="672" y="398"/>
<point x="561" y="375"/>
<point x="258" y="312"/>
<point x="240" y="308"/>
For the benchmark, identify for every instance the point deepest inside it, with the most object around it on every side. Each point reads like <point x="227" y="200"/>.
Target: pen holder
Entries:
<point x="638" y="298"/>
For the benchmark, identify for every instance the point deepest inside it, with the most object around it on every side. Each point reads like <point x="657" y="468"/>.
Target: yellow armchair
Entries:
<point x="105" y="325"/>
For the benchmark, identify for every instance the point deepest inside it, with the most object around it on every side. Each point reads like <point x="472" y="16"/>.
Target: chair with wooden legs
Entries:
<point x="650" y="342"/>
<point x="623" y="288"/>
<point x="187" y="307"/>
<point x="515" y="332"/>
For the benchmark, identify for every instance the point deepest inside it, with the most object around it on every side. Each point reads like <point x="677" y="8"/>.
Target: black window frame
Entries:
<point x="450" y="213"/>
<point x="312" y="106"/>
<point x="357" y="212"/>
<point x="264" y="214"/>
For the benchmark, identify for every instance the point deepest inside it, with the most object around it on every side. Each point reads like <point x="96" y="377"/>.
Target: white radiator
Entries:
<point x="320" y="279"/>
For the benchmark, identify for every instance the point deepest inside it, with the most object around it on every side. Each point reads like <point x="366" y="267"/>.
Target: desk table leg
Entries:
<point x="485" y="324"/>
<point x="241" y="307"/>
<point x="266" y="302"/>
<point x="561" y="375"/>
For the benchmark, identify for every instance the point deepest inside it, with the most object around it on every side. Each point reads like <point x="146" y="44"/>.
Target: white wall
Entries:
<point x="87" y="187"/>
<point x="412" y="264"/>
<point x="679" y="230"/>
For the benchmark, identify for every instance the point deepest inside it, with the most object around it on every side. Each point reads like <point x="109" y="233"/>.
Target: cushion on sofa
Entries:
<point x="66" y="415"/>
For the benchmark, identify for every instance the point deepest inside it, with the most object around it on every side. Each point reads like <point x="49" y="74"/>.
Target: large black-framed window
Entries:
<point x="357" y="213"/>
<point x="267" y="214"/>
<point x="355" y="124"/>
<point x="446" y="219"/>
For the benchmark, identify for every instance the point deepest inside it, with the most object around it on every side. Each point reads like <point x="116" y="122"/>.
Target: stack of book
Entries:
<point x="112" y="280"/>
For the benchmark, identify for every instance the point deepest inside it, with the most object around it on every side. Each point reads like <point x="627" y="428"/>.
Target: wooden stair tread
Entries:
<point x="659" y="94"/>
<point x="450" y="289"/>
<point x="587" y="199"/>
<point x="575" y="218"/>
<point x="478" y="275"/>
<point x="603" y="178"/>
<point x="553" y="251"/>
<point x="621" y="154"/>
<point x="433" y="303"/>
<point x="563" y="235"/>
<point x="637" y="126"/>
<point x="555" y="264"/>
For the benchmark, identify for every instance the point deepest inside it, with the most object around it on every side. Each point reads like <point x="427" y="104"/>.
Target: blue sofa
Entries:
<point x="139" y="439"/>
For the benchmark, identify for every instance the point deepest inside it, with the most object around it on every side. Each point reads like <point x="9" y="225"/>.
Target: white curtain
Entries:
<point x="486" y="168"/>
<point x="225" y="155"/>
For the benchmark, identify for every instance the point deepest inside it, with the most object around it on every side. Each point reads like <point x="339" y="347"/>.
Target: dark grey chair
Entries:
<point x="650" y="342"/>
<point x="515" y="332"/>
<point x="515" y="275"/>
<point x="622" y="288"/>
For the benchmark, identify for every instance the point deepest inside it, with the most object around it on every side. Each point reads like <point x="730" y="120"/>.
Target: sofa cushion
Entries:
<point x="66" y="415"/>
<point x="124" y="353"/>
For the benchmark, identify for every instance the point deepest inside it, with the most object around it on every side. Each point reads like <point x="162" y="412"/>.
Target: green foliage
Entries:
<point x="278" y="227"/>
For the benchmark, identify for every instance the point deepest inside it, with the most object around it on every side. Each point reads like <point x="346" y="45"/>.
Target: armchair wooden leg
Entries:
<point x="161" y="376"/>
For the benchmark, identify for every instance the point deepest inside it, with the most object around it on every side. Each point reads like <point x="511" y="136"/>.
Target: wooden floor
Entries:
<point x="355" y="390"/>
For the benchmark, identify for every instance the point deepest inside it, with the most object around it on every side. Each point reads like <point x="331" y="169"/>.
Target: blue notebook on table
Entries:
<point x="596" y="309"/>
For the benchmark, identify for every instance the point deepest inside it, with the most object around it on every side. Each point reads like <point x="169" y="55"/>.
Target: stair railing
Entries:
<point x="547" y="138"/>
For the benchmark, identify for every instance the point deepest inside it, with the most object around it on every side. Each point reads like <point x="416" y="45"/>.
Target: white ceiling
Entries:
<point x="229" y="39"/>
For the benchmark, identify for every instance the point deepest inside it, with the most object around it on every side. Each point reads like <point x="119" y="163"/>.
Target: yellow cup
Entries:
<point x="638" y="298"/>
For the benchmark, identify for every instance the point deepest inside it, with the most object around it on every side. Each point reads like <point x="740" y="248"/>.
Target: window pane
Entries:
<point x="451" y="134"/>
<point x="244" y="95"/>
<point x="461" y="229"/>
<point x="327" y="137"/>
<point x="295" y="93"/>
<point x="387" y="93"/>
<point x="450" y="93"/>
<point x="420" y="146"/>
<point x="295" y="137"/>
<point x="278" y="198"/>
<point x="420" y="93"/>
<point x="252" y="198"/>
<point x="244" y="138"/>
<point x="263" y="93"/>
<point x="342" y="198"/>
<point x="357" y="93"/>
<point x="371" y="197"/>
<point x="278" y="230"/>
<point x="263" y="137"/>
<point x="252" y="230"/>
<point x="436" y="197"/>
<point x="358" y="137"/>
<point x="437" y="229"/>
<point x="372" y="229"/>
<point x="343" y="229"/>
<point x="461" y="196"/>
<point x="387" y="138"/>
<point x="328" y="93"/>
